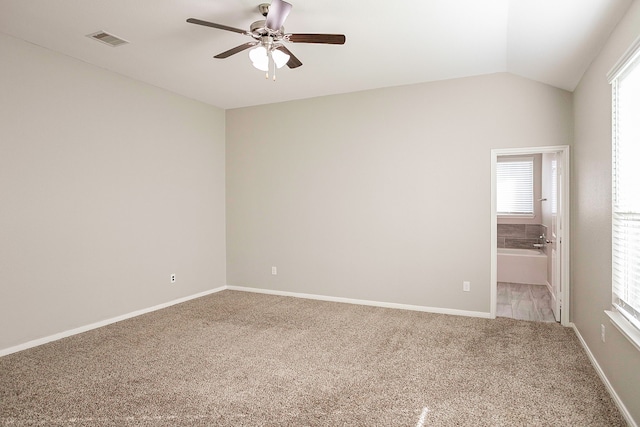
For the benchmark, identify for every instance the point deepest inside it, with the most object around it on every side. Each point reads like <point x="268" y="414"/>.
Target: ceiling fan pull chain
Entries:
<point x="266" y="76"/>
<point x="274" y="68"/>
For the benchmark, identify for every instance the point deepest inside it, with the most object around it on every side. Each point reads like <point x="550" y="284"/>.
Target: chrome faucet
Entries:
<point x="544" y="240"/>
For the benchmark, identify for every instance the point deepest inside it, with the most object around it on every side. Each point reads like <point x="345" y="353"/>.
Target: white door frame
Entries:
<point x="565" y="218"/>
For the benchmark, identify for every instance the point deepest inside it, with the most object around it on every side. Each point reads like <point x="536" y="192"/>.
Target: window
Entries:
<point x="626" y="188"/>
<point x="514" y="178"/>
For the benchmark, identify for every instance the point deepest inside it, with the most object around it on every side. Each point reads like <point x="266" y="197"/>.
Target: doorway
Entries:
<point x="553" y="215"/>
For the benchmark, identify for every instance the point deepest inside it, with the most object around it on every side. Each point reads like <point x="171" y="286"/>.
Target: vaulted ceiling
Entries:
<point x="388" y="43"/>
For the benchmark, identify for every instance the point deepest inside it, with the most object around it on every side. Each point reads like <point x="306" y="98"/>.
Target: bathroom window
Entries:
<point x="626" y="195"/>
<point x="514" y="180"/>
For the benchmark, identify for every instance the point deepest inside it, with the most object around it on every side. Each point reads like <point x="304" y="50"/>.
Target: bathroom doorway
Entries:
<point x="530" y="241"/>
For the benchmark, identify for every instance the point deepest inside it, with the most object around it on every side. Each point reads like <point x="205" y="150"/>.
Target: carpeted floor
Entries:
<point x="236" y="358"/>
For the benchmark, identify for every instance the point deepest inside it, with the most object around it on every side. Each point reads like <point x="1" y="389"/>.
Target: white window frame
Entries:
<point x="533" y="176"/>
<point x="624" y="317"/>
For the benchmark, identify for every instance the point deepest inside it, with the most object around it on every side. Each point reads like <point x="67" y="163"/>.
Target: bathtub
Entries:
<point x="522" y="266"/>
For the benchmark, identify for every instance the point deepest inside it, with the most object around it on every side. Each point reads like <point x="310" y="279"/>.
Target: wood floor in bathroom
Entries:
<point x="524" y="302"/>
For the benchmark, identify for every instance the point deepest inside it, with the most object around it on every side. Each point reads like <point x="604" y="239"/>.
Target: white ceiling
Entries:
<point x="389" y="43"/>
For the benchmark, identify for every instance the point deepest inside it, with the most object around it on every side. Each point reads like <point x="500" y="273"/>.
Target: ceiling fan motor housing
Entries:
<point x="259" y="29"/>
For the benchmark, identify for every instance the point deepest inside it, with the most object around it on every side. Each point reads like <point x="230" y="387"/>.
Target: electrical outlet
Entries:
<point x="274" y="271"/>
<point x="466" y="286"/>
<point x="602" y="330"/>
<point x="173" y="278"/>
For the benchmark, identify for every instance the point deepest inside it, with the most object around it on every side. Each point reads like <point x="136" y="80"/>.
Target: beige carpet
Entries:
<point x="236" y="358"/>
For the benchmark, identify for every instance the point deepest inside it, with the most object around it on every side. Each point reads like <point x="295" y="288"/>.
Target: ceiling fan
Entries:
<point x="269" y="38"/>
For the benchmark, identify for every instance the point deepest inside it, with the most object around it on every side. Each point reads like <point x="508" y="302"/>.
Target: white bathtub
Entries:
<point x="522" y="266"/>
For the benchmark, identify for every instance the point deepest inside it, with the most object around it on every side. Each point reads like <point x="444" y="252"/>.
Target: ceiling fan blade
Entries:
<point x="213" y="25"/>
<point x="278" y="12"/>
<point x="293" y="61"/>
<point x="317" y="38"/>
<point x="235" y="50"/>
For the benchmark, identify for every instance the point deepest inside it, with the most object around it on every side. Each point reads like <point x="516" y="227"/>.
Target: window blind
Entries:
<point x="514" y="181"/>
<point x="626" y="191"/>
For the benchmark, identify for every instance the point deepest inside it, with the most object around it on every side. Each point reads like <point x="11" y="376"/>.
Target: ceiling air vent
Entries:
<point x="107" y="38"/>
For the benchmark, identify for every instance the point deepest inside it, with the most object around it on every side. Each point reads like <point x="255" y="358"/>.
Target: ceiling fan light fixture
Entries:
<point x="259" y="58"/>
<point x="280" y="58"/>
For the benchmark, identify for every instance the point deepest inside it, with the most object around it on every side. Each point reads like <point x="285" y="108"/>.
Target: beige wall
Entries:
<point x="107" y="187"/>
<point x="358" y="195"/>
<point x="591" y="222"/>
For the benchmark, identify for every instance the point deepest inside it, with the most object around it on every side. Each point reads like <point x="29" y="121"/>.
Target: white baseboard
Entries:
<point x="365" y="302"/>
<point x="605" y="380"/>
<point x="60" y="335"/>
